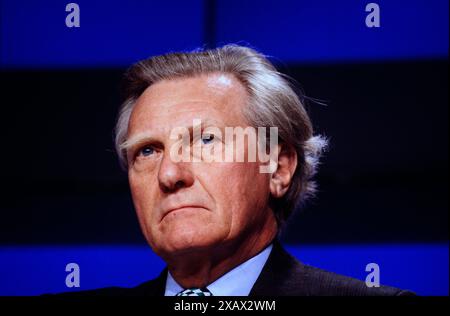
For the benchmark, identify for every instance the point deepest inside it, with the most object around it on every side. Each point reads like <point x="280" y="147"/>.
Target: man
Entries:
<point x="215" y="222"/>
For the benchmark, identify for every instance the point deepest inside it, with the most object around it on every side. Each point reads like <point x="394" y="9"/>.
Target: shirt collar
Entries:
<point x="237" y="282"/>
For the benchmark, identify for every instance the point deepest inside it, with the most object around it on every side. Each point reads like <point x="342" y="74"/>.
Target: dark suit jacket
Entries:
<point x="282" y="275"/>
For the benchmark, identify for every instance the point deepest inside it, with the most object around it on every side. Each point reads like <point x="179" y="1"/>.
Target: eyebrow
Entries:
<point x="137" y="140"/>
<point x="147" y="137"/>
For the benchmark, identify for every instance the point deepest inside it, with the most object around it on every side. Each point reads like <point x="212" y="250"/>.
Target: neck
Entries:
<point x="202" y="267"/>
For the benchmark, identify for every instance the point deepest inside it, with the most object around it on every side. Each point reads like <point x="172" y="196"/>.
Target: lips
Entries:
<point x="178" y="208"/>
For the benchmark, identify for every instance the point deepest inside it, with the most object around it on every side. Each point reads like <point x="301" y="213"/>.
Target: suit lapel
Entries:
<point x="155" y="287"/>
<point x="282" y="275"/>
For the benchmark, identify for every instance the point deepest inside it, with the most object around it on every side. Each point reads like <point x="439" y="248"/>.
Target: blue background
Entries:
<point x="118" y="33"/>
<point x="37" y="270"/>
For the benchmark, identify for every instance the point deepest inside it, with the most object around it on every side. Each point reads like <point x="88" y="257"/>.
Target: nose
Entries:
<point x="174" y="176"/>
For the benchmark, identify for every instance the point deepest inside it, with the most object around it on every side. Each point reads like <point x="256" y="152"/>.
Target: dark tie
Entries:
<point x="195" y="291"/>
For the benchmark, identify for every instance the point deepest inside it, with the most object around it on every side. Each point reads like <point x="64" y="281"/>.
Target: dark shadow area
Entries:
<point x="384" y="178"/>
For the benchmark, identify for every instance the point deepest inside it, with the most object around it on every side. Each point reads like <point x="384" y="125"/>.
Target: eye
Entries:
<point x="207" y="138"/>
<point x="146" y="151"/>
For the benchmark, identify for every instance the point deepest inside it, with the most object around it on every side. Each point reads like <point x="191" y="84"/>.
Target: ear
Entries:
<point x="287" y="163"/>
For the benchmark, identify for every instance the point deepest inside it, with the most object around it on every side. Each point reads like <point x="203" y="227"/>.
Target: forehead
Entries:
<point x="176" y="102"/>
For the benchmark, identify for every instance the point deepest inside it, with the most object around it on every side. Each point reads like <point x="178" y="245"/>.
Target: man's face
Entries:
<point x="188" y="206"/>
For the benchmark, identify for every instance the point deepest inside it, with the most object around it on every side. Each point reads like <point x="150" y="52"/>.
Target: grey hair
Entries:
<point x="272" y="102"/>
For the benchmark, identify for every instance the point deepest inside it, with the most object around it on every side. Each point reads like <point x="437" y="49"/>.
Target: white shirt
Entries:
<point x="237" y="282"/>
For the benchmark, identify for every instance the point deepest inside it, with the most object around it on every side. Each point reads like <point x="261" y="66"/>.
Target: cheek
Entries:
<point x="247" y="182"/>
<point x="240" y="191"/>
<point x="254" y="192"/>
<point x="143" y="192"/>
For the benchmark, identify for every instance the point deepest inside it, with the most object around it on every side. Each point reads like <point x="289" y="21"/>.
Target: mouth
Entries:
<point x="182" y="208"/>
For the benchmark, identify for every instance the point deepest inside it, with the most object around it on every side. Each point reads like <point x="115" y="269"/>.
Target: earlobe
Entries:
<point x="282" y="177"/>
<point x="277" y="188"/>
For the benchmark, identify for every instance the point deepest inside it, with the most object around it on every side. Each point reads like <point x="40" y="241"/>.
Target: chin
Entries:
<point x="187" y="240"/>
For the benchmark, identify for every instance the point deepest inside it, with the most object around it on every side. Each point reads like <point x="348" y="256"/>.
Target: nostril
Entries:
<point x="179" y="185"/>
<point x="168" y="188"/>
